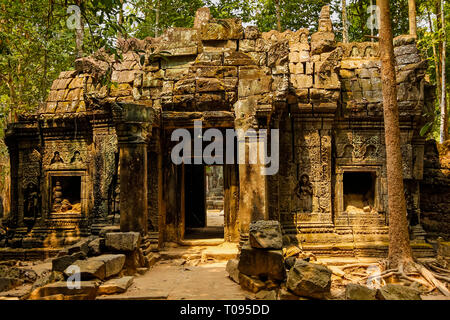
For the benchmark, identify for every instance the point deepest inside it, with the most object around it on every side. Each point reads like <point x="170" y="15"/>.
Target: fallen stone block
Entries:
<point x="113" y="263"/>
<point x="50" y="277"/>
<point x="397" y="292"/>
<point x="87" y="290"/>
<point x="27" y="275"/>
<point x="9" y="283"/>
<point x="287" y="295"/>
<point x="309" y="280"/>
<point x="60" y="264"/>
<point x="108" y="229"/>
<point x="96" y="247"/>
<point x="123" y="241"/>
<point x="265" y="234"/>
<point x="251" y="284"/>
<point x="232" y="269"/>
<point x="266" y="295"/>
<point x="80" y="246"/>
<point x="153" y="258"/>
<point x="262" y="263"/>
<point x="113" y="286"/>
<point x="359" y="292"/>
<point x="87" y="269"/>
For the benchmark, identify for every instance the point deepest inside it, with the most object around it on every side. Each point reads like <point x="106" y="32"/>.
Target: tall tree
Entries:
<point x="278" y="13"/>
<point x="443" y="136"/>
<point x="399" y="246"/>
<point x="412" y="17"/>
<point x="344" y="22"/>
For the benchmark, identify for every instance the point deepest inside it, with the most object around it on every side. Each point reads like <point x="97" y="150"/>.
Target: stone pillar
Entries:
<point x="253" y="186"/>
<point x="104" y="168"/>
<point x="133" y="178"/>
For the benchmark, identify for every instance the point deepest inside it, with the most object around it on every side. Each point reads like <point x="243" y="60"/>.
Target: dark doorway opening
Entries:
<point x="203" y="187"/>
<point x="359" y="192"/>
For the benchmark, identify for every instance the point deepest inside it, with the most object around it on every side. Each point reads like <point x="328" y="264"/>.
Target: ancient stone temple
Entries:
<point x="98" y="153"/>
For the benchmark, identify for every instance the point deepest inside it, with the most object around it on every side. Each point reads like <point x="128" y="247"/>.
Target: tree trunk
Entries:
<point x="435" y="55"/>
<point x="278" y="14"/>
<point x="443" y="103"/>
<point x="412" y="18"/>
<point x="79" y="34"/>
<point x="344" y="22"/>
<point x="158" y="5"/>
<point x="399" y="246"/>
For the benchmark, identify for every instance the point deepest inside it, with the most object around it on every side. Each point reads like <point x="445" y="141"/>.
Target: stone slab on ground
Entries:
<point x="7" y="283"/>
<point x="156" y="295"/>
<point x="355" y="291"/>
<point x="113" y="286"/>
<point x="100" y="267"/>
<point x="87" y="290"/>
<point x="397" y="292"/>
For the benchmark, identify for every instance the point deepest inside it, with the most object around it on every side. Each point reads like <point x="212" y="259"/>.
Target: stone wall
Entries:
<point x="435" y="190"/>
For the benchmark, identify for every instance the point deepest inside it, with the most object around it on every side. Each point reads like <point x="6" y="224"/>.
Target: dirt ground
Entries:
<point x="170" y="280"/>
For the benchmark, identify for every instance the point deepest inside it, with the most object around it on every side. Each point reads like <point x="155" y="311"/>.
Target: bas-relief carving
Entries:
<point x="358" y="147"/>
<point x="304" y="193"/>
<point x="31" y="201"/>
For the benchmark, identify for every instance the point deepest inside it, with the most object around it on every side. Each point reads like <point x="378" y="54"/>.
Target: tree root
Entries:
<point x="432" y="279"/>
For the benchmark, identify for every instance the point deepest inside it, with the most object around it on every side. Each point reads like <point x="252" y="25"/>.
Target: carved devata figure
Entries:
<point x="76" y="158"/>
<point x="304" y="193"/>
<point x="31" y="201"/>
<point x="56" y="158"/>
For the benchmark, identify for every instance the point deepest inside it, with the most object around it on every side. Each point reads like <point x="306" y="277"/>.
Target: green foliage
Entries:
<point x="171" y="13"/>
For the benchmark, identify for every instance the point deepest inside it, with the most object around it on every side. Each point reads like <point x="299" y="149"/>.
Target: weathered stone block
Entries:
<point x="322" y="42"/>
<point x="123" y="241"/>
<point x="88" y="269"/>
<point x="103" y="231"/>
<point x="113" y="263"/>
<point x="223" y="29"/>
<point x="358" y="292"/>
<point x="81" y="246"/>
<point x="61" y="263"/>
<point x="184" y="87"/>
<point x="251" y="32"/>
<point x="251" y="284"/>
<point x="237" y="58"/>
<point x="309" y="280"/>
<point x="264" y="263"/>
<point x="232" y="269"/>
<point x="86" y="291"/>
<point x="114" y="286"/>
<point x="209" y="84"/>
<point x="397" y="292"/>
<point x="265" y="234"/>
<point x="7" y="283"/>
<point x="301" y="81"/>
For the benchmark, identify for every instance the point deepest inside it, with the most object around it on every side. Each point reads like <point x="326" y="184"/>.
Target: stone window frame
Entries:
<point x="339" y="186"/>
<point x="83" y="191"/>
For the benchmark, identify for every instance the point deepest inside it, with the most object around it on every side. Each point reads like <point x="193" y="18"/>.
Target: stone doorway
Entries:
<point x="203" y="210"/>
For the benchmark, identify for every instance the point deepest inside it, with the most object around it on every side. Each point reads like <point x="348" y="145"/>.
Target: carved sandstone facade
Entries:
<point x="95" y="152"/>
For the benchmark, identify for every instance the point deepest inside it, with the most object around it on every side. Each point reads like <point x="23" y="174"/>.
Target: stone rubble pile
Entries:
<point x="105" y="265"/>
<point x="272" y="272"/>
